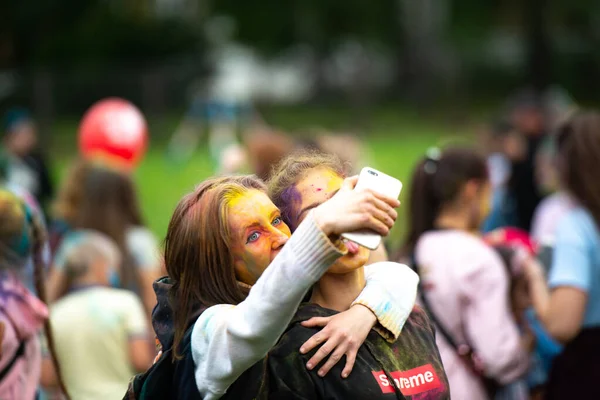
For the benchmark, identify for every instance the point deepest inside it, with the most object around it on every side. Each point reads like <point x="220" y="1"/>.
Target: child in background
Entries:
<point x="101" y="333"/>
<point x="464" y="285"/>
<point x="22" y="315"/>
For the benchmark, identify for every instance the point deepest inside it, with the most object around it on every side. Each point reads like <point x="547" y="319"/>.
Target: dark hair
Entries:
<point x="98" y="198"/>
<point x="578" y="148"/>
<point x="197" y="252"/>
<point x="290" y="171"/>
<point x="437" y="180"/>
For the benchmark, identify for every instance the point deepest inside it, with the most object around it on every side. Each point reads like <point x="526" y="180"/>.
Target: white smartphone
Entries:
<point x="377" y="181"/>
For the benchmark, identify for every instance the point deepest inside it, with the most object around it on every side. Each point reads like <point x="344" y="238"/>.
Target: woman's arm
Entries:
<point x="390" y="293"/>
<point x="384" y="305"/>
<point x="562" y="308"/>
<point x="227" y="340"/>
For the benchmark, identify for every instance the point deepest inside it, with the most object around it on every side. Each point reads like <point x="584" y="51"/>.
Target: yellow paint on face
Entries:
<point x="257" y="233"/>
<point x="318" y="186"/>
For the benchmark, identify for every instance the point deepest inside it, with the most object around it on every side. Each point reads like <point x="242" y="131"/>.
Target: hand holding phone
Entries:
<point x="377" y="181"/>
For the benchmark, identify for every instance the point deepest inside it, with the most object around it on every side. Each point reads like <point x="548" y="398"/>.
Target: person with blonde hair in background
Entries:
<point x="101" y="333"/>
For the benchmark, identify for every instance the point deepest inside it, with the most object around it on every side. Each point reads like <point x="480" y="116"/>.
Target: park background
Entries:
<point x="402" y="75"/>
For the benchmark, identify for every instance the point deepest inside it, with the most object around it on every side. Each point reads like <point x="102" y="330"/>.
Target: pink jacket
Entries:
<point x="468" y="290"/>
<point x="22" y="316"/>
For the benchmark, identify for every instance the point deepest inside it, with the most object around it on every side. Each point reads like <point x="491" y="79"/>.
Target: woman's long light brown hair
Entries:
<point x="197" y="252"/>
<point x="103" y="199"/>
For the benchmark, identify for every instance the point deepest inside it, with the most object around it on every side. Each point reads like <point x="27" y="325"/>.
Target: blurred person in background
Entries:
<point x="27" y="166"/>
<point x="505" y="146"/>
<point x="92" y="312"/>
<point x="558" y="201"/>
<point x="101" y="333"/>
<point x="38" y="214"/>
<point x="22" y="314"/>
<point x="527" y="115"/>
<point x="517" y="249"/>
<point x="99" y="197"/>
<point x="464" y="285"/>
<point x="569" y="303"/>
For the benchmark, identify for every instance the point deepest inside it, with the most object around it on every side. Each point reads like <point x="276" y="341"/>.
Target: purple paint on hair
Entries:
<point x="289" y="199"/>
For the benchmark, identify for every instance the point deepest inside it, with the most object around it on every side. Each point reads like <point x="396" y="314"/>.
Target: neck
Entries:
<point x="88" y="280"/>
<point x="338" y="291"/>
<point x="453" y="219"/>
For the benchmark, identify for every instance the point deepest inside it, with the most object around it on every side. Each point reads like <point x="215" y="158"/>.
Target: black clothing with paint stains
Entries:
<point x="413" y="361"/>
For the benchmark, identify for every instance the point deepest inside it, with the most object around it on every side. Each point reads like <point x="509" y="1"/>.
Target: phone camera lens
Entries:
<point x="373" y="173"/>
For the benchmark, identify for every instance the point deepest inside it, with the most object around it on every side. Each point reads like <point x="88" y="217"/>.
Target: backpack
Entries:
<point x="167" y="379"/>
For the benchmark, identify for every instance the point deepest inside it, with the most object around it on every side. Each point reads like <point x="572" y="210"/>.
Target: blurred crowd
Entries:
<point x="504" y="236"/>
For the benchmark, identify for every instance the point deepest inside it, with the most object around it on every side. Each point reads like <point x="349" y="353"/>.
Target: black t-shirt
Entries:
<point x="412" y="363"/>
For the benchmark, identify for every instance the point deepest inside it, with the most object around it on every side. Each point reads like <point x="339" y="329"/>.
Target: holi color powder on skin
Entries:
<point x="257" y="233"/>
<point x="290" y="201"/>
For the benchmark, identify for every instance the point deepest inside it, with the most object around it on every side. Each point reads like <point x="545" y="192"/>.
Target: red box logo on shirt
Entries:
<point x="411" y="382"/>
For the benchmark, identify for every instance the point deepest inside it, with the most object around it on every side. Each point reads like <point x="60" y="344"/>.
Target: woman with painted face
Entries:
<point x="229" y="309"/>
<point x="409" y="367"/>
<point x="464" y="284"/>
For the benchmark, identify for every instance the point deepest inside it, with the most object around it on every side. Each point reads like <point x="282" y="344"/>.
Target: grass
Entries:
<point x="395" y="141"/>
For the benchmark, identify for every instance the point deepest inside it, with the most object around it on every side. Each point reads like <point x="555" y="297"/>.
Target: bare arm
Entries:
<point x="139" y="353"/>
<point x="560" y="310"/>
<point x="48" y="378"/>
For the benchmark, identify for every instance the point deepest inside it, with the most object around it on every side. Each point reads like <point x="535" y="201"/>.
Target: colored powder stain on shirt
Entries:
<point x="413" y="364"/>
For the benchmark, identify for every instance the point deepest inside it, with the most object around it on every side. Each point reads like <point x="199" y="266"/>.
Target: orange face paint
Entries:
<point x="257" y="233"/>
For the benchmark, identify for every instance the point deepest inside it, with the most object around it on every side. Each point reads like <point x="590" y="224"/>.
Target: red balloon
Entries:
<point x="114" y="129"/>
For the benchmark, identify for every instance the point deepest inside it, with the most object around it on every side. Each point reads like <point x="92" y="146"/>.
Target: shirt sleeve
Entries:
<point x="226" y="340"/>
<point x="488" y="322"/>
<point x="571" y="261"/>
<point x="135" y="319"/>
<point x="390" y="293"/>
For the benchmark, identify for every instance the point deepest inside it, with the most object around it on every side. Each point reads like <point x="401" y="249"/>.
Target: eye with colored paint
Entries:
<point x="277" y="221"/>
<point x="253" y="237"/>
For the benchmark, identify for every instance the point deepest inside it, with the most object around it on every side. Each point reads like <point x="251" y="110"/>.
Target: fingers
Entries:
<point x="383" y="206"/>
<point x="379" y="227"/>
<point x="323" y="352"/>
<point x="392" y="202"/>
<point x="315" y="339"/>
<point x="350" y="359"/>
<point x="316" y="321"/>
<point x="333" y="359"/>
<point x="384" y="217"/>
<point x="350" y="183"/>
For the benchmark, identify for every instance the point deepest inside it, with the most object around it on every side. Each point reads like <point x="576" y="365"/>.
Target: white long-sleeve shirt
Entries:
<point x="226" y="340"/>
